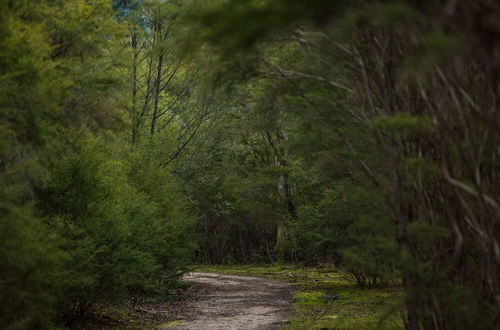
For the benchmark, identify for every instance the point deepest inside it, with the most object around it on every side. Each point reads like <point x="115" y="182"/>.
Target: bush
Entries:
<point x="350" y="227"/>
<point x="31" y="272"/>
<point x="121" y="239"/>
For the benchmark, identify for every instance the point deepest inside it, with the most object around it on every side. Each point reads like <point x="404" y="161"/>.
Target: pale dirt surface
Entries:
<point x="236" y="302"/>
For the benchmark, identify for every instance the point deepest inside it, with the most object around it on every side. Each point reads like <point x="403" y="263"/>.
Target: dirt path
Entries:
<point x="237" y="302"/>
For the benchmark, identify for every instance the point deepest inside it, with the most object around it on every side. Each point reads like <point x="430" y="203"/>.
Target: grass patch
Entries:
<point x="325" y="298"/>
<point x="170" y="324"/>
<point x="112" y="317"/>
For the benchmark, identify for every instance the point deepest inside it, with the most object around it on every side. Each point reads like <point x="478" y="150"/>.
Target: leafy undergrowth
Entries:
<point x="327" y="299"/>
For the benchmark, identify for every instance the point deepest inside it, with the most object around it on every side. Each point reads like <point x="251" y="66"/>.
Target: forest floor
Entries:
<point x="326" y="298"/>
<point x="208" y="301"/>
<point x="265" y="297"/>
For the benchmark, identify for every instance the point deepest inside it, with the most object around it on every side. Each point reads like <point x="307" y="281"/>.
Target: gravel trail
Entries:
<point x="237" y="302"/>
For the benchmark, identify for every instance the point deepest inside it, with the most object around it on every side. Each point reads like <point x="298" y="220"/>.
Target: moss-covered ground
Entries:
<point x="325" y="298"/>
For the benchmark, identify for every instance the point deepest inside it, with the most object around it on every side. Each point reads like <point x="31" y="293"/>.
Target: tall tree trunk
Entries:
<point x="154" y="115"/>
<point x="135" y="114"/>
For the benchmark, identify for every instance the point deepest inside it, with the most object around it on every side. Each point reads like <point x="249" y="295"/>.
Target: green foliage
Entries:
<point x="321" y="230"/>
<point x="32" y="273"/>
<point x="434" y="48"/>
<point x="122" y="237"/>
<point x="163" y="217"/>
<point x="359" y="134"/>
<point x="352" y="226"/>
<point x="391" y="13"/>
<point x="236" y="216"/>
<point x="422" y="78"/>
<point x="89" y="196"/>
<point x="404" y="126"/>
<point x="79" y="225"/>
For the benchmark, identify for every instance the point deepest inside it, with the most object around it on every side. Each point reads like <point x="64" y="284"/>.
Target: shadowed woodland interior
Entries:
<point x="141" y="137"/>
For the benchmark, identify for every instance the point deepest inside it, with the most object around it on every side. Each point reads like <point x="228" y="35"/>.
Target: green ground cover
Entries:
<point x="325" y="298"/>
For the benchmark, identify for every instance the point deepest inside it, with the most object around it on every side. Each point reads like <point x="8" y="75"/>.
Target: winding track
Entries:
<point x="238" y="302"/>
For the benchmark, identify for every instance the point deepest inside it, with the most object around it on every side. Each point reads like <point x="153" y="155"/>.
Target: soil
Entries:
<point x="235" y="302"/>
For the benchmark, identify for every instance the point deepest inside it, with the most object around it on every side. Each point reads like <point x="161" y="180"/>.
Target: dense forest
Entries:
<point x="139" y="137"/>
